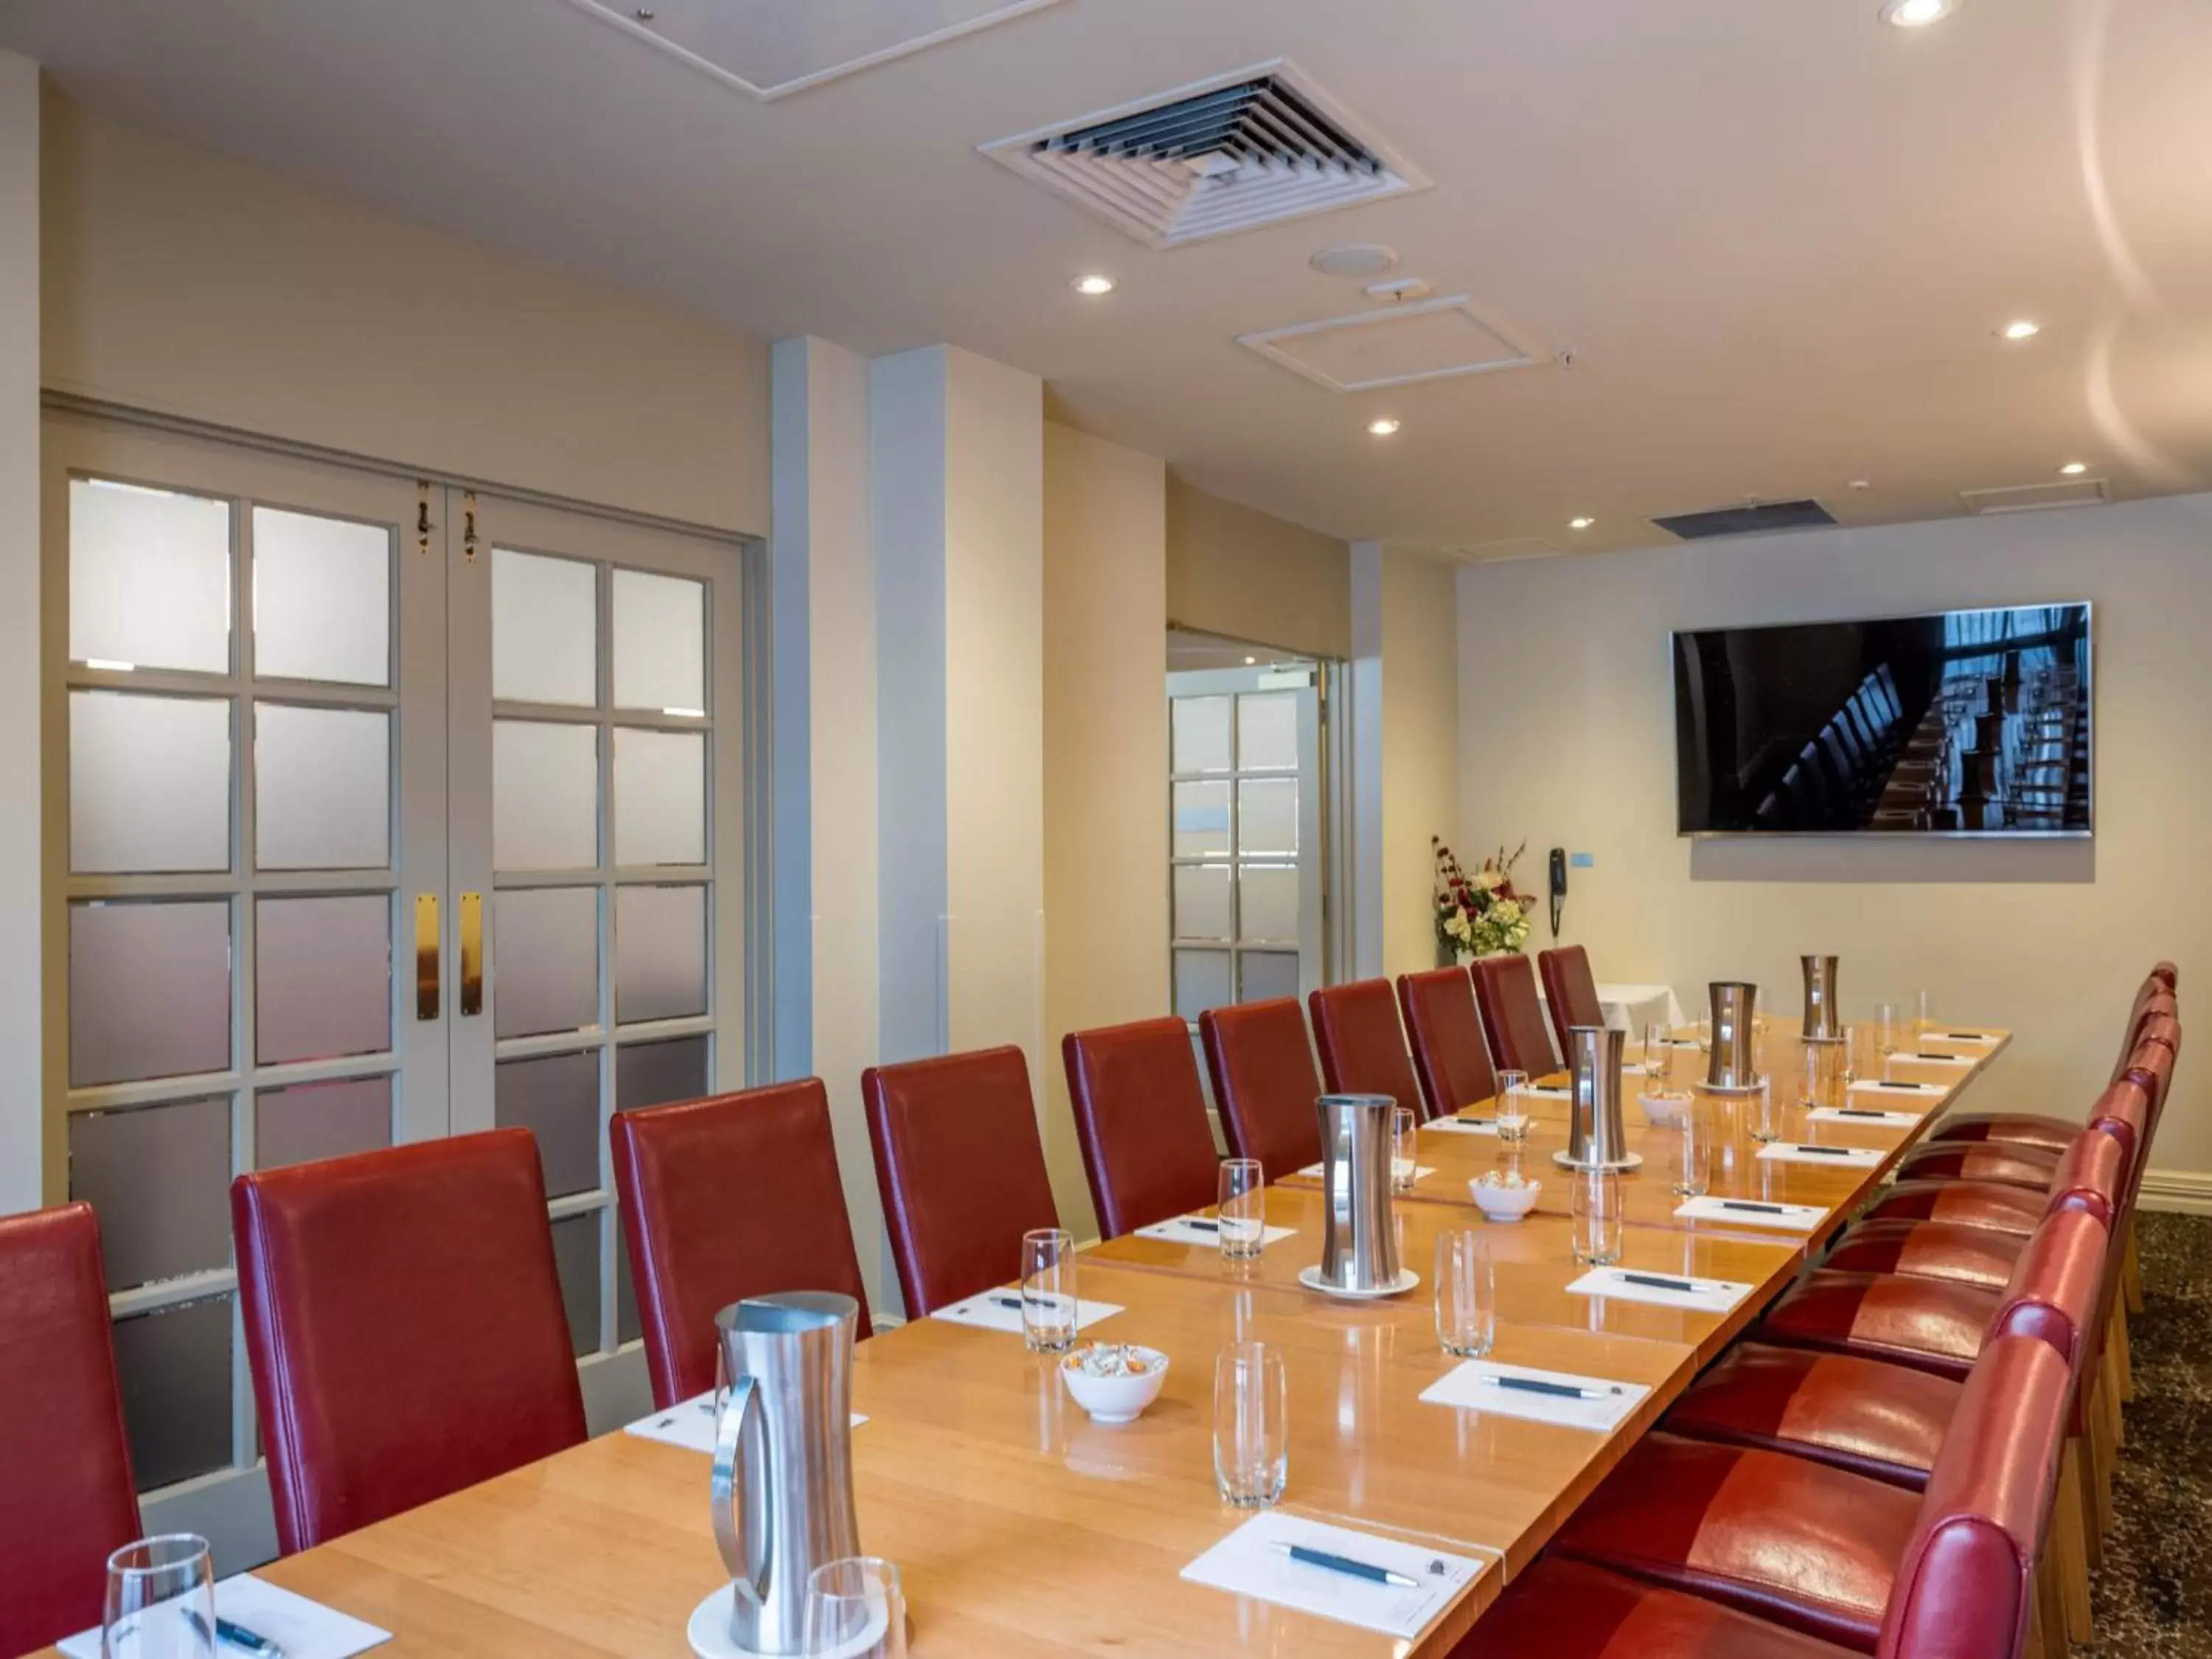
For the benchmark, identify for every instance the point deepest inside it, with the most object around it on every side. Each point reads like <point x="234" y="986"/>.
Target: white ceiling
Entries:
<point x="1776" y="235"/>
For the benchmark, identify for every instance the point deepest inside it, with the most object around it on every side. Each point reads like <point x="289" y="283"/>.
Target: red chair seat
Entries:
<point x="1566" y="1609"/>
<point x="2010" y="1129"/>
<point x="2016" y="1166"/>
<point x="1930" y="1324"/>
<point x="1930" y="1250"/>
<point x="1882" y="1421"/>
<point x="1988" y="1203"/>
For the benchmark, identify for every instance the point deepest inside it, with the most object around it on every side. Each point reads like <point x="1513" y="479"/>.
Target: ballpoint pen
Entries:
<point x="247" y="1641"/>
<point x="1345" y="1565"/>
<point x="1747" y="1204"/>
<point x="1825" y="1151"/>
<point x="1198" y="1222"/>
<point x="1660" y="1281"/>
<point x="1857" y="1111"/>
<point x="1560" y="1390"/>
<point x="1015" y="1301"/>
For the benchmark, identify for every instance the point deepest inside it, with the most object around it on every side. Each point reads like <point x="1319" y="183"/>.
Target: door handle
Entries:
<point x="471" y="954"/>
<point x="426" y="956"/>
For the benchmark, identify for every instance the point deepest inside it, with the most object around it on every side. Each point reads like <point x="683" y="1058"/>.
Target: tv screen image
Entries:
<point x="1960" y="723"/>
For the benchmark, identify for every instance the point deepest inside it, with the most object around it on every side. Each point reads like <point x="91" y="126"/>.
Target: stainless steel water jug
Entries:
<point x="1822" y="1023"/>
<point x="1596" y="1137"/>
<point x="1359" y="1247"/>
<point x="1736" y="1005"/>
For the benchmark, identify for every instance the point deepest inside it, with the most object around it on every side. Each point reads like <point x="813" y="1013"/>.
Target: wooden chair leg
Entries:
<point x="2108" y="1390"/>
<point x="2078" y="1473"/>
<point x="2132" y="1272"/>
<point x="2046" y="1627"/>
<point x="2116" y="1341"/>
<point x="2069" y="1550"/>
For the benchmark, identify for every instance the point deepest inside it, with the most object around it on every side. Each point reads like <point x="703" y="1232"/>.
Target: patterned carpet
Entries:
<point x="2154" y="1597"/>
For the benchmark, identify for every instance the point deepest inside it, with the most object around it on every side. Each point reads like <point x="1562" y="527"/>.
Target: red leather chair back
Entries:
<point x="1965" y="1586"/>
<point x="1569" y="992"/>
<point x="1362" y="1052"/>
<point x="2168" y="975"/>
<point x="1512" y="1016"/>
<point x="2092" y="1175"/>
<point x="1140" y="1120"/>
<point x="1449" y="1054"/>
<point x="2150" y="1068"/>
<point x="66" y="1498"/>
<point x="403" y="1320"/>
<point x="726" y="1198"/>
<point x="2056" y="1286"/>
<point x="961" y="1169"/>
<point x="1264" y="1083"/>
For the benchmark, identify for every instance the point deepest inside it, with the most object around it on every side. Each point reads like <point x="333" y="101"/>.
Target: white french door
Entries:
<point x="375" y="811"/>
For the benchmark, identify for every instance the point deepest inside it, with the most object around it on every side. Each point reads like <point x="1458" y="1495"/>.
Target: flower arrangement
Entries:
<point x="1480" y="915"/>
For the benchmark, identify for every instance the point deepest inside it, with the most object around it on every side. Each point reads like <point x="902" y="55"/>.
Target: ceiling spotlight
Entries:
<point x="1092" y="286"/>
<point x="2020" y="329"/>
<point x="1580" y="523"/>
<point x="1916" y="13"/>
<point x="1863" y="483"/>
<point x="1383" y="426"/>
<point x="1250" y="661"/>
<point x="2075" y="469"/>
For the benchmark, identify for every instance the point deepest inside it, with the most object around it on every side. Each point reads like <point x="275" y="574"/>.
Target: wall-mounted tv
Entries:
<point x="1963" y="723"/>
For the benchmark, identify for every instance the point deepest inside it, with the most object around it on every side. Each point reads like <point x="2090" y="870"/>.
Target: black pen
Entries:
<point x="1967" y="1036"/>
<point x="1857" y="1111"/>
<point x="247" y="1641"/>
<point x="1198" y="1222"/>
<point x="1560" y="1390"/>
<point x="1015" y="1301"/>
<point x="1937" y="1086"/>
<point x="1746" y="1204"/>
<point x="1825" y="1152"/>
<point x="1345" y="1565"/>
<point x="1935" y="1057"/>
<point x="1659" y="1282"/>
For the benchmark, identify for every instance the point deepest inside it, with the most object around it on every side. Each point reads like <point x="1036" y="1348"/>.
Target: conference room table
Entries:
<point x="1021" y="1527"/>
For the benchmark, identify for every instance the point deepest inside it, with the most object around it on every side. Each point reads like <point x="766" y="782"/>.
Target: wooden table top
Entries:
<point x="1022" y="1527"/>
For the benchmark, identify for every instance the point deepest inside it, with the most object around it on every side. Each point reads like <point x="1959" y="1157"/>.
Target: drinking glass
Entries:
<point x="1466" y="1293"/>
<point x="855" y="1607"/>
<point x="1759" y="1046"/>
<point x="1251" y="1425"/>
<point x="1704" y="1034"/>
<point x="1404" y="1149"/>
<point x="1889" y="1032"/>
<point x="1924" y="1007"/>
<point x="1823" y="1081"/>
<point x="1512" y="1106"/>
<point x="1657" y="1054"/>
<point x="1241" y="1213"/>
<point x="1862" y="1055"/>
<point x="1766" y="1119"/>
<point x="1048" y="1305"/>
<point x="1693" y="1154"/>
<point x="161" y="1600"/>
<point x="1596" y="1206"/>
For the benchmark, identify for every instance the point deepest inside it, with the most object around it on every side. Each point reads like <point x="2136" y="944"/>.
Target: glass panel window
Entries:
<point x="175" y="1371"/>
<point x="312" y="1120"/>
<point x="322" y="796"/>
<point x="545" y="796"/>
<point x="660" y="797"/>
<point x="1268" y="731"/>
<point x="1199" y="731"/>
<point x="1201" y="981"/>
<point x="655" y="1074"/>
<point x="1268" y="902"/>
<point x="660" y="952"/>
<point x="1201" y="900"/>
<point x="576" y="1255"/>
<point x="556" y="1099"/>
<point x="1201" y="819"/>
<point x="150" y="578"/>
<point x="1263" y="975"/>
<point x="660" y="635"/>
<point x="322" y="970"/>
<point x="148" y="990"/>
<point x="159" y="1177"/>
<point x="149" y="783"/>
<point x="544" y="629"/>
<point x="1268" y="816"/>
<point x="545" y="960"/>
<point x="322" y="598"/>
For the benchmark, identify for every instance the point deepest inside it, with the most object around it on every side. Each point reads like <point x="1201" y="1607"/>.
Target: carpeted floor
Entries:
<point x="2154" y="1597"/>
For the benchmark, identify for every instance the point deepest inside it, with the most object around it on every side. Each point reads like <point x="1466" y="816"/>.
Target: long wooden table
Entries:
<point x="1022" y="1529"/>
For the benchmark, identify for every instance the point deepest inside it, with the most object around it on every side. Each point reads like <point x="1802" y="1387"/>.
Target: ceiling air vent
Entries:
<point x="2035" y="498"/>
<point x="1752" y="519"/>
<point x="1243" y="150"/>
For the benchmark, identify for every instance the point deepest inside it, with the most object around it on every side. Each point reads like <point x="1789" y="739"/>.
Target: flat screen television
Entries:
<point x="1962" y="723"/>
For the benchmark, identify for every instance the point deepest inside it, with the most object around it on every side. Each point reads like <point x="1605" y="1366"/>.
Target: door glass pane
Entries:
<point x="1201" y="819"/>
<point x="1200" y="732"/>
<point x="660" y="952"/>
<point x="322" y="795"/>
<point x="159" y="1177"/>
<point x="545" y="960"/>
<point x="556" y="1099"/>
<point x="174" y="1369"/>
<point x="655" y="1074"/>
<point x="1268" y="902"/>
<point x="148" y="990"/>
<point x="322" y="970"/>
<point x="1268" y="731"/>
<point x="544" y="628"/>
<point x="1201" y="981"/>
<point x="545" y="796"/>
<point x="150" y="578"/>
<point x="322" y="598"/>
<point x="149" y="783"/>
<point x="661" y="634"/>
<point x="1201" y="900"/>
<point x="313" y="1121"/>
<point x="1267" y="815"/>
<point x="1266" y="974"/>
<point x="660" y="797"/>
<point x="576" y="1254"/>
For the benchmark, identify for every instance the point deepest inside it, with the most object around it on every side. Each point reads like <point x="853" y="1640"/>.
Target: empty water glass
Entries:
<point x="1889" y="1032"/>
<point x="1658" y="1053"/>
<point x="1241" y="1213"/>
<point x="855" y="1609"/>
<point x="1466" y="1293"/>
<point x="1404" y="1149"/>
<point x="1595" y="1203"/>
<point x="1823" y="1081"/>
<point x="1924" y="1006"/>
<point x="1049" y="1290"/>
<point x="1704" y="1034"/>
<point x="1512" y="1106"/>
<point x="1251" y="1425"/>
<point x="161" y="1600"/>
<point x="1766" y="1118"/>
<point x="1693" y="1154"/>
<point x="1862" y="1055"/>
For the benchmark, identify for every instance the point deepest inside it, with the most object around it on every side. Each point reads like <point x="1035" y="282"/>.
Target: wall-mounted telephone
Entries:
<point x="1558" y="887"/>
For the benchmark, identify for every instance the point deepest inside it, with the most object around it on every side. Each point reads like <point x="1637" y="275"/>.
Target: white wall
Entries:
<point x="1234" y="570"/>
<point x="1566" y="738"/>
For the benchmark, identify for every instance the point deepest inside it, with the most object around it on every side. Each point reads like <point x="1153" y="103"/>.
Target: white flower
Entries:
<point x="1489" y="880"/>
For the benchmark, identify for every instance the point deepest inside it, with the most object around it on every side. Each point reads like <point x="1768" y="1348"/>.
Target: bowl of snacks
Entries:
<point x="1504" y="1194"/>
<point x="1665" y="1108"/>
<point x="1114" y="1382"/>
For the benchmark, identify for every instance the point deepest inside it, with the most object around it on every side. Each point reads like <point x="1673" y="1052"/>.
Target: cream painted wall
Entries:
<point x="1237" y="571"/>
<point x="1420" y="749"/>
<point x="1566" y="739"/>
<point x="1105" y="764"/>
<point x="180" y="281"/>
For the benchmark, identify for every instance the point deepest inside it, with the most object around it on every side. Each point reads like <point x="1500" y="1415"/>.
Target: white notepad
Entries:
<point x="1752" y="1212"/>
<point x="1932" y="1093"/>
<point x="1000" y="1311"/>
<point x="1461" y="1125"/>
<point x="689" y="1424"/>
<point x="1866" y="1115"/>
<point x="1623" y="1284"/>
<point x="1178" y="1229"/>
<point x="1473" y="1386"/>
<point x="304" y="1629"/>
<point x="1834" y="1157"/>
<point x="1248" y="1563"/>
<point x="1548" y="1091"/>
<point x="1979" y="1039"/>
<point x="1918" y="1058"/>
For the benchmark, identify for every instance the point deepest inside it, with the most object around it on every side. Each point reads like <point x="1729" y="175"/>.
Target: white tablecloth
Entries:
<point x="1630" y="1008"/>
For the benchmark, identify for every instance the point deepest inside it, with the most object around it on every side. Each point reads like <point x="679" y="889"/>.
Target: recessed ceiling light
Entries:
<point x="1092" y="286"/>
<point x="2075" y="469"/>
<point x="1863" y="483"/>
<point x="1918" y="13"/>
<point x="1355" y="260"/>
<point x="1580" y="523"/>
<point x="2020" y="329"/>
<point x="1383" y="426"/>
<point x="1250" y="661"/>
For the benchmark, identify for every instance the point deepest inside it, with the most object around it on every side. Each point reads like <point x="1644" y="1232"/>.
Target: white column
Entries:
<point x="1365" y="783"/>
<point x="22" y="1110"/>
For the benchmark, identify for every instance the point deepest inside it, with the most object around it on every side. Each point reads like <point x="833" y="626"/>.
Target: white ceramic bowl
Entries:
<point x="1121" y="1398"/>
<point x="1499" y="1202"/>
<point x="1664" y="1109"/>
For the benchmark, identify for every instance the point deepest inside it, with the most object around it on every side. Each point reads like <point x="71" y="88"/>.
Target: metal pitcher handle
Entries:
<point x="740" y="1403"/>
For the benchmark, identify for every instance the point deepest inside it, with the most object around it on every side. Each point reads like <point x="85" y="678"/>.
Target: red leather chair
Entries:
<point x="1140" y="1120"/>
<point x="1564" y="1609"/>
<point x="1362" y="1052"/>
<point x="961" y="1169"/>
<point x="729" y="1197"/>
<point x="2168" y="975"/>
<point x="1264" y="1083"/>
<point x="1450" y="1054"/>
<point x="2120" y="1117"/>
<point x="67" y="1502"/>
<point x="2043" y="1129"/>
<point x="1505" y="987"/>
<point x="403" y="1320"/>
<point x="2032" y="1167"/>
<point x="1569" y="992"/>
